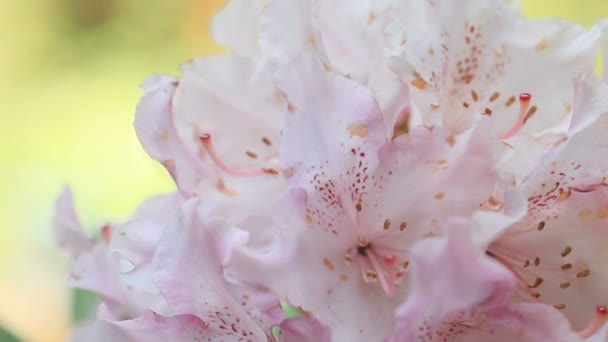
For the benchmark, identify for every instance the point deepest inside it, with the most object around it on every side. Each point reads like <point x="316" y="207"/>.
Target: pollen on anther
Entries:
<point x="266" y="141"/>
<point x="537" y="282"/>
<point x="541" y="226"/>
<point x="566" y="251"/>
<point x="583" y="274"/>
<point x="566" y="266"/>
<point x="387" y="224"/>
<point x="536" y="261"/>
<point x="328" y="264"/>
<point x="358" y="207"/>
<point x="510" y="101"/>
<point x="531" y="112"/>
<point x="559" y="306"/>
<point x="270" y="171"/>
<point x="402" y="226"/>
<point x="474" y="95"/>
<point x="564" y="285"/>
<point x="251" y="154"/>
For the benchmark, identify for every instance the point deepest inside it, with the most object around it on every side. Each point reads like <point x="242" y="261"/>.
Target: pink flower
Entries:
<point x="455" y="193"/>
<point x="347" y="36"/>
<point x="471" y="58"/>
<point x="356" y="202"/>
<point x="204" y="137"/>
<point x="460" y="294"/>
<point x="557" y="250"/>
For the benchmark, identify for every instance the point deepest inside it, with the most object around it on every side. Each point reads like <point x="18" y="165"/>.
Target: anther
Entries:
<point x="601" y="312"/>
<point x="524" y="103"/>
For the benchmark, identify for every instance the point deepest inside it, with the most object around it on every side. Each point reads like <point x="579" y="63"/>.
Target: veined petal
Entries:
<point x="304" y="329"/>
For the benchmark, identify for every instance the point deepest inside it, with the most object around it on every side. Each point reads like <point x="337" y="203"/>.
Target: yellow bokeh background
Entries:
<point x="69" y="71"/>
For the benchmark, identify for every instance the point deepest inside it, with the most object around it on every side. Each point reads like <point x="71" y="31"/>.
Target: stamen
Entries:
<point x="529" y="288"/>
<point x="601" y="312"/>
<point x="387" y="281"/>
<point x="208" y="145"/>
<point x="524" y="103"/>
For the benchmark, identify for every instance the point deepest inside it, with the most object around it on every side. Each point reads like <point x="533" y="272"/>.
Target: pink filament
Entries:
<point x="508" y="265"/>
<point x="600" y="317"/>
<point x="387" y="279"/>
<point x="524" y="104"/>
<point x="208" y="145"/>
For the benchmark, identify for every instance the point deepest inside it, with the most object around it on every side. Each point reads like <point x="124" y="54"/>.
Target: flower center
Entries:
<point x="377" y="263"/>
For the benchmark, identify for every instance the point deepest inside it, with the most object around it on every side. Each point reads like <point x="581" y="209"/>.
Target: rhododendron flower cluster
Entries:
<point x="396" y="170"/>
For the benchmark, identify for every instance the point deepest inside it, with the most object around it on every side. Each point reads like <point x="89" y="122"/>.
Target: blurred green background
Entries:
<point x="69" y="71"/>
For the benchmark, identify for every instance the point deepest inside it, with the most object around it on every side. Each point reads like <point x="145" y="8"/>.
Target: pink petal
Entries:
<point x="189" y="264"/>
<point x="235" y="26"/>
<point x="304" y="329"/>
<point x="233" y="101"/>
<point x="67" y="230"/>
<point x="287" y="29"/>
<point x="156" y="132"/>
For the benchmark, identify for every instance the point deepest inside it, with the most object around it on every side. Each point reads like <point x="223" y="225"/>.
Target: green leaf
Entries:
<point x="83" y="304"/>
<point x="291" y="311"/>
<point x="6" y="336"/>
